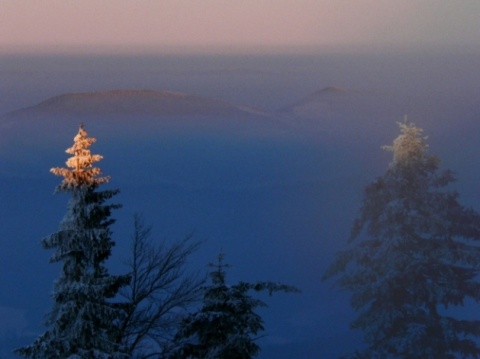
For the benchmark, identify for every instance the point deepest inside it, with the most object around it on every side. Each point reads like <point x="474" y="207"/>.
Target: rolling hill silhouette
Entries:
<point x="134" y="116"/>
<point x="133" y="102"/>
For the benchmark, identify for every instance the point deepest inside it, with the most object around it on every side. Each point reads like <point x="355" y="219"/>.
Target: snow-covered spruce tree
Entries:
<point x="83" y="321"/>
<point x="411" y="257"/>
<point x="226" y="326"/>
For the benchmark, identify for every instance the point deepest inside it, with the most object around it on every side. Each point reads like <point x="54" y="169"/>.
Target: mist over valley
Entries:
<point x="264" y="157"/>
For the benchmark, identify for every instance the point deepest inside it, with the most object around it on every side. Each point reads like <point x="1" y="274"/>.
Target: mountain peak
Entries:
<point x="318" y="102"/>
<point x="332" y="90"/>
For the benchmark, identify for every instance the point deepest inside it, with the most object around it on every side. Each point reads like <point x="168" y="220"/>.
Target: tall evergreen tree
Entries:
<point x="411" y="257"/>
<point x="83" y="320"/>
<point x="227" y="325"/>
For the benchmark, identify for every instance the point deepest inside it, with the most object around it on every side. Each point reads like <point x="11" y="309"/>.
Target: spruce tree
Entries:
<point x="83" y="321"/>
<point x="412" y="256"/>
<point x="227" y="325"/>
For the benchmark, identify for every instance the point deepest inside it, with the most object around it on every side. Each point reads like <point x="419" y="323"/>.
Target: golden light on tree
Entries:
<point x="81" y="170"/>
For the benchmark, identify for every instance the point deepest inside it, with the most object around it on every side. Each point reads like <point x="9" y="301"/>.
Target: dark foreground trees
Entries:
<point x="226" y="326"/>
<point x="97" y="315"/>
<point x="83" y="322"/>
<point x="410" y="258"/>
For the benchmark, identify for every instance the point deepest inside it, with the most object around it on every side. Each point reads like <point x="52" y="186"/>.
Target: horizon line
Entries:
<point x="213" y="50"/>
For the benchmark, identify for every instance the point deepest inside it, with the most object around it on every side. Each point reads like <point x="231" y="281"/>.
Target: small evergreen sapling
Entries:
<point x="83" y="320"/>
<point x="227" y="325"/>
<point x="410" y="258"/>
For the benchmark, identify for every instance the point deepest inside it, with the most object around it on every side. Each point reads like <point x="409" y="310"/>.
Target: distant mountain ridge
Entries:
<point x="134" y="102"/>
<point x="125" y="102"/>
<point x="153" y="111"/>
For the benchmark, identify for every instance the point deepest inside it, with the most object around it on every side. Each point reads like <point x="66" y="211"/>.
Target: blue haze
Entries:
<point x="277" y="193"/>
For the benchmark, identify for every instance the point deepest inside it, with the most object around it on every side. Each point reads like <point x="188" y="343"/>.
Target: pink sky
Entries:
<point x="235" y="25"/>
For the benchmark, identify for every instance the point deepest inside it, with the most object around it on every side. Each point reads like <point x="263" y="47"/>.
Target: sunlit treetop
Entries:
<point x="409" y="148"/>
<point x="81" y="171"/>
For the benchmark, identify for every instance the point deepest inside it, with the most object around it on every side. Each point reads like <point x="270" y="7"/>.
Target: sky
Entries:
<point x="286" y="200"/>
<point x="234" y="25"/>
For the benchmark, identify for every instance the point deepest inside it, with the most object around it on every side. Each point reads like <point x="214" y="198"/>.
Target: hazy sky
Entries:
<point x="235" y="25"/>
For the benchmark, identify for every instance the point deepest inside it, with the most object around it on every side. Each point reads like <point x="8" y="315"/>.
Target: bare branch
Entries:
<point x="160" y="290"/>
